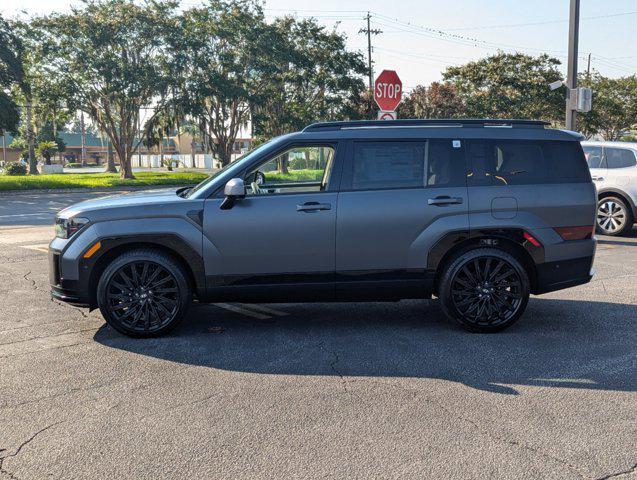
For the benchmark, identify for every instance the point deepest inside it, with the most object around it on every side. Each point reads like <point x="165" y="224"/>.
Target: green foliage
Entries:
<point x="314" y="77"/>
<point x="113" y="56"/>
<point x="614" y="109"/>
<point x="509" y="86"/>
<point x="306" y="175"/>
<point x="46" y="149"/>
<point x="439" y="100"/>
<point x="97" y="180"/>
<point x="15" y="169"/>
<point x="11" y="74"/>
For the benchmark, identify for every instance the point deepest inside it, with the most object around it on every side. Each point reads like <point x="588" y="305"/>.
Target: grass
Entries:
<point x="305" y="175"/>
<point x="98" y="180"/>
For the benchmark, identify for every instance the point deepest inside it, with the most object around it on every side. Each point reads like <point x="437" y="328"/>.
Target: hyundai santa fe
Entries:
<point x="478" y="213"/>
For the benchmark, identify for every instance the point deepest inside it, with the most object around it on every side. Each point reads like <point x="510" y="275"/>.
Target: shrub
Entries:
<point x="92" y="164"/>
<point x="15" y="169"/>
<point x="74" y="165"/>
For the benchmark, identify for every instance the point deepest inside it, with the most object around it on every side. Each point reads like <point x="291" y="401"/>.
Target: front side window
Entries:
<point x="297" y="170"/>
<point x="620" y="158"/>
<point x="380" y="165"/>
<point x="593" y="156"/>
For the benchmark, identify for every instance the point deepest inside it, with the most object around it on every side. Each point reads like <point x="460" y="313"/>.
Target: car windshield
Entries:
<point x="232" y="165"/>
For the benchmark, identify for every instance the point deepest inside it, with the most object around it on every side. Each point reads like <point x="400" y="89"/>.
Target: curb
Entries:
<point x="43" y="191"/>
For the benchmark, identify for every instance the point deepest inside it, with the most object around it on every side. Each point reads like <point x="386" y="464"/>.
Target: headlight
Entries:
<point x="66" y="227"/>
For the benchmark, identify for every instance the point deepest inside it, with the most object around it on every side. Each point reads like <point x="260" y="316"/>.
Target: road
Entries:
<point x="380" y="390"/>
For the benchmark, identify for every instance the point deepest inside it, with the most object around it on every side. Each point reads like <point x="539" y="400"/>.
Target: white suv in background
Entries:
<point x="613" y="167"/>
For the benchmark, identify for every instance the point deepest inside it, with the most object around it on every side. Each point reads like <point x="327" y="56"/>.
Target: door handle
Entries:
<point x="445" y="200"/>
<point x="598" y="179"/>
<point x="313" y="207"/>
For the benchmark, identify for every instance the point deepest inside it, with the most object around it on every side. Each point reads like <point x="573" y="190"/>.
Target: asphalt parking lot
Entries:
<point x="385" y="390"/>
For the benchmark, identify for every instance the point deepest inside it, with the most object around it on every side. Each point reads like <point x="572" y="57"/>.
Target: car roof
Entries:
<point x="435" y="128"/>
<point x="601" y="143"/>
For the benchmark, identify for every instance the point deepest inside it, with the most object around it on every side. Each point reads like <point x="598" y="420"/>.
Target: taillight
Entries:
<point x="575" y="233"/>
<point x="531" y="239"/>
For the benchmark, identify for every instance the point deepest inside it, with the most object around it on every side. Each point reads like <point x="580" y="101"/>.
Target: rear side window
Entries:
<point x="514" y="162"/>
<point x="378" y="165"/>
<point x="620" y="158"/>
<point x="593" y="156"/>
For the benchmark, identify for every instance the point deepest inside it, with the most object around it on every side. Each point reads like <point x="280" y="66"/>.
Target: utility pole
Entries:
<point x="369" y="31"/>
<point x="588" y="67"/>
<point x="571" y="76"/>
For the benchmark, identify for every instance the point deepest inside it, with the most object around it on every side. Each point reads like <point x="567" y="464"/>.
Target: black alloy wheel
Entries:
<point x="486" y="290"/>
<point x="143" y="293"/>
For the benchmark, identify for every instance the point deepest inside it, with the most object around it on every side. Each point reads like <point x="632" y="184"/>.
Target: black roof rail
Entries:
<point x="446" y="122"/>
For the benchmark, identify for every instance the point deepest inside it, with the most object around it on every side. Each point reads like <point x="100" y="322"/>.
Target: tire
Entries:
<point x="485" y="290"/>
<point x="613" y="217"/>
<point x="143" y="293"/>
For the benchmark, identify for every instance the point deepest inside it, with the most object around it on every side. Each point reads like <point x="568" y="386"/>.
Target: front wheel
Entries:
<point x="613" y="216"/>
<point x="143" y="293"/>
<point x="485" y="290"/>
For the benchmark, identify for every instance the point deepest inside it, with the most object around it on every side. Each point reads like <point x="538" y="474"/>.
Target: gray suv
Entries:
<point x="614" y="170"/>
<point x="479" y="213"/>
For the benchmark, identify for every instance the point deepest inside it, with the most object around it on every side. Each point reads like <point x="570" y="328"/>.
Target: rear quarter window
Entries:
<point x="521" y="162"/>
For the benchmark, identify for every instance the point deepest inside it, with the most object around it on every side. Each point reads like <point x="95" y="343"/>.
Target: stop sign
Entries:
<point x="388" y="90"/>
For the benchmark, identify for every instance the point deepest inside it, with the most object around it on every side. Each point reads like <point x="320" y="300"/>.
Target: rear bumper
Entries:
<point x="552" y="276"/>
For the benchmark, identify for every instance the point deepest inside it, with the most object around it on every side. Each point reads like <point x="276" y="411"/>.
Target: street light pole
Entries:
<point x="571" y="76"/>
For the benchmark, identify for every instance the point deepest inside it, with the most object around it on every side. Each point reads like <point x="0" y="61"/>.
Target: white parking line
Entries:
<point x="42" y="247"/>
<point x="243" y="311"/>
<point x="264" y="309"/>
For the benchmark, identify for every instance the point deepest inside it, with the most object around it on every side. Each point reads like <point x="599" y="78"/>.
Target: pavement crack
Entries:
<point x="337" y="372"/>
<point x="627" y="472"/>
<point x="77" y="309"/>
<point x="21" y="446"/>
<point x="30" y="280"/>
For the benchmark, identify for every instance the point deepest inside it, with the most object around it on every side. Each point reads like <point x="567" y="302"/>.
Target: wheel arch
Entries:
<point x="511" y="241"/>
<point x="170" y="244"/>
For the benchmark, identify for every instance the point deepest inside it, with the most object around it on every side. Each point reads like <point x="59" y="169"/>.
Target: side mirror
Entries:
<point x="234" y="190"/>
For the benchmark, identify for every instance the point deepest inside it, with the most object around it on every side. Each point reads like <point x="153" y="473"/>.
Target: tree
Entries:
<point x="315" y="78"/>
<point x="439" y="100"/>
<point x="113" y="56"/>
<point x="224" y="53"/>
<point x="10" y="74"/>
<point x="46" y="149"/>
<point x="614" y="109"/>
<point x="509" y="86"/>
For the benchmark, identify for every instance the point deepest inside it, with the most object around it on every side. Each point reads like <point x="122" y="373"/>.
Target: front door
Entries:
<point x="397" y="199"/>
<point x="276" y="244"/>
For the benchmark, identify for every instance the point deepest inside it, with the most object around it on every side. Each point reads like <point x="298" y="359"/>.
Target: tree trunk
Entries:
<point x="33" y="162"/>
<point x="283" y="163"/>
<point x="192" y="152"/>
<point x="83" y="135"/>
<point x="110" y="160"/>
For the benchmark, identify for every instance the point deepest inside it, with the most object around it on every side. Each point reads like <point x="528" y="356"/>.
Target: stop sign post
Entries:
<point x="388" y="90"/>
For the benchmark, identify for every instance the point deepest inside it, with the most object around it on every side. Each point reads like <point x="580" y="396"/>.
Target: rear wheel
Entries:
<point x="485" y="290"/>
<point x="143" y="293"/>
<point x="613" y="216"/>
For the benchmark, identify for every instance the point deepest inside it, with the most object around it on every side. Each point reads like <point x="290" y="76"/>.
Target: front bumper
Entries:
<point x="64" y="290"/>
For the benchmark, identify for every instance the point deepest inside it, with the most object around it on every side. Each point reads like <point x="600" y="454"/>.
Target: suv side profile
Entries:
<point x="614" y="170"/>
<point x="479" y="213"/>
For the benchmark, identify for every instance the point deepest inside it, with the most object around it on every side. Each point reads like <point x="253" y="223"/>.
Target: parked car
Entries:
<point x="614" y="170"/>
<point x="479" y="213"/>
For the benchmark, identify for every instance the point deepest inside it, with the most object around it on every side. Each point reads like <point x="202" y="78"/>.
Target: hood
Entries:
<point x="150" y="198"/>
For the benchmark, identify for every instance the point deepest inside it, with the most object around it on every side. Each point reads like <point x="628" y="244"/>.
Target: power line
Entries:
<point x="531" y="24"/>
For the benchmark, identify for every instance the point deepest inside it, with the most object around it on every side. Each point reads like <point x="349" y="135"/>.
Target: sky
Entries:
<point x="420" y="38"/>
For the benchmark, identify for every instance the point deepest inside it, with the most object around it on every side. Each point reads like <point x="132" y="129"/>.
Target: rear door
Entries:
<point x="397" y="198"/>
<point x="529" y="184"/>
<point x="596" y="163"/>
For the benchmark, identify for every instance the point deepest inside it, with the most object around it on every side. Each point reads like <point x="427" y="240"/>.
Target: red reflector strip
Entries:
<point x="575" y="233"/>
<point x="531" y="239"/>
